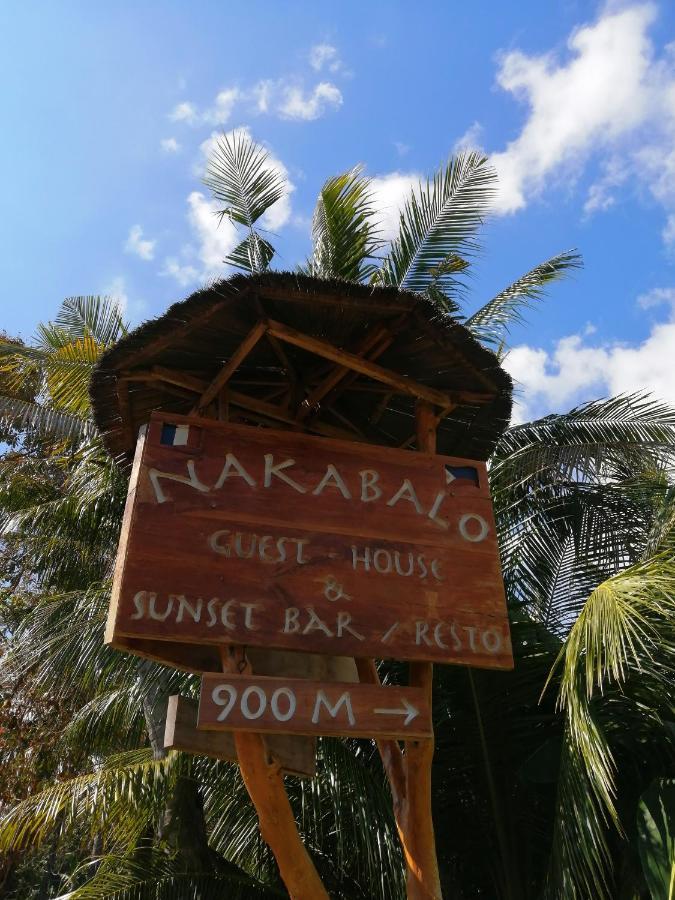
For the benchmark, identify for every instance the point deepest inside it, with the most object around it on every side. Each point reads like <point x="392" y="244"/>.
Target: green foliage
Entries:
<point x="491" y="322"/>
<point x="241" y="177"/>
<point x="540" y="774"/>
<point x="438" y="226"/>
<point x="344" y="238"/>
<point x="656" y="837"/>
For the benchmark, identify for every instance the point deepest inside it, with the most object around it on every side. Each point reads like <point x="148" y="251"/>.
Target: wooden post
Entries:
<point x="265" y="785"/>
<point x="409" y="773"/>
<point x="422" y="880"/>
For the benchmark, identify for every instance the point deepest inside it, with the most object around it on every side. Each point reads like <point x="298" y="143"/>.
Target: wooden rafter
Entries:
<point x="231" y="365"/>
<point x="351" y="361"/>
<point x="371" y="340"/>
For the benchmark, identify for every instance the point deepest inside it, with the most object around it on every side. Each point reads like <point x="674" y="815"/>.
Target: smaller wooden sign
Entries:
<point x="296" y="756"/>
<point x="295" y="706"/>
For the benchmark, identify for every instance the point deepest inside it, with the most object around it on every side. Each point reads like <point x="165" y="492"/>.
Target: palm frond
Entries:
<point x="491" y="323"/>
<point x="630" y="430"/>
<point x="344" y="237"/>
<point x="131" y="787"/>
<point x="100" y="318"/>
<point x="253" y="254"/>
<point x="625" y="631"/>
<point x="439" y="222"/>
<point x="44" y="419"/>
<point x="240" y="175"/>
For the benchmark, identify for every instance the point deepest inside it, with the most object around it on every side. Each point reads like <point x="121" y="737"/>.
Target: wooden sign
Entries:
<point x="294" y="706"/>
<point x="235" y="534"/>
<point x="296" y="756"/>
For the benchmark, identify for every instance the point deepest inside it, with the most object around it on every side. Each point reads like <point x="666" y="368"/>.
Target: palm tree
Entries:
<point x="548" y="779"/>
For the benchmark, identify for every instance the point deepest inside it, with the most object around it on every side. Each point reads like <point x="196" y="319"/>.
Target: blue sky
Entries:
<point x="109" y="109"/>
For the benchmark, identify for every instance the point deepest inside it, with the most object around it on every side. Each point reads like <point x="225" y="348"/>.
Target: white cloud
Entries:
<point x="138" y="245"/>
<point x="325" y="56"/>
<point x="470" y="140"/>
<point x="657" y="297"/>
<point x="578" y="369"/>
<point x="222" y="107"/>
<point x="183" y="273"/>
<point x="389" y="194"/>
<point x="602" y="193"/>
<point x="296" y="104"/>
<point x="283" y="98"/>
<point x="117" y="289"/>
<point x="262" y="94"/>
<point x="170" y="145"/>
<point x="608" y="88"/>
<point x="216" y="237"/>
<point x="668" y="233"/>
<point x="184" y="112"/>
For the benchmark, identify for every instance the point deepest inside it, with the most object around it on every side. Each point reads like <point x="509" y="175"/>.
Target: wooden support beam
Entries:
<point x="419" y="843"/>
<point x="409" y="772"/>
<point x="337" y="374"/>
<point x="231" y="365"/>
<point x="277" y="414"/>
<point x="351" y="361"/>
<point x="265" y="785"/>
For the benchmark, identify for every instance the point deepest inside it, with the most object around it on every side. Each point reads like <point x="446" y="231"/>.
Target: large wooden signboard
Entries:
<point x="259" y="704"/>
<point x="266" y="538"/>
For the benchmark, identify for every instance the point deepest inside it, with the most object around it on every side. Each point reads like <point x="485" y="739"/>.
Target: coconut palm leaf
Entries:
<point x="438" y="223"/>
<point x="100" y="318"/>
<point x="625" y="631"/>
<point x="130" y="786"/>
<point x="656" y="830"/>
<point x="628" y="430"/>
<point x="253" y="254"/>
<point x="241" y="176"/>
<point x="344" y="237"/>
<point x="49" y="422"/>
<point x="491" y="323"/>
<point x="139" y="884"/>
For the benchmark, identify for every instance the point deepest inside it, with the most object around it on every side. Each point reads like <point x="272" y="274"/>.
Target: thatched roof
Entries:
<point x="402" y="332"/>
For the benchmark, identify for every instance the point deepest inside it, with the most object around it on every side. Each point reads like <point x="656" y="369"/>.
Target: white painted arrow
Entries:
<point x="409" y="711"/>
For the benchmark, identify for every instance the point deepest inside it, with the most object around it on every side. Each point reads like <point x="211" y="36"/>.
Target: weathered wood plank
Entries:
<point x="324" y="547"/>
<point x="293" y="706"/>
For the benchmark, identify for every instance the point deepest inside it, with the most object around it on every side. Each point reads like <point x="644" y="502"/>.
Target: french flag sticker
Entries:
<point x="179" y="435"/>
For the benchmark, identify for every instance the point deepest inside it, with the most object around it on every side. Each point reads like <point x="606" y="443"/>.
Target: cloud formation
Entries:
<point x="170" y="145"/>
<point x="300" y="105"/>
<point x="611" y="100"/>
<point x="580" y="367"/>
<point x="603" y="92"/>
<point x="286" y="98"/>
<point x="389" y="194"/>
<point x="138" y="245"/>
<point x="325" y="56"/>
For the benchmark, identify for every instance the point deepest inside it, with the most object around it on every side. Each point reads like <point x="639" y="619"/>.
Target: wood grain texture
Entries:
<point x="296" y="757"/>
<point x="294" y="706"/>
<point x="358" y="364"/>
<point x="329" y="547"/>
